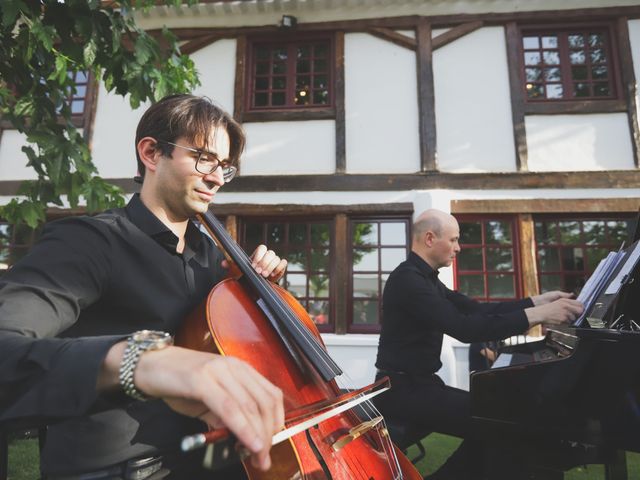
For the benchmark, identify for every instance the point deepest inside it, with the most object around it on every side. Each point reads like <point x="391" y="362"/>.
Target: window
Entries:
<point x="339" y="279"/>
<point x="307" y="248"/>
<point x="377" y="248"/>
<point x="569" y="249"/>
<point x="15" y="242"/>
<point x="81" y="101"/>
<point x="568" y="64"/>
<point x="487" y="267"/>
<point x="294" y="74"/>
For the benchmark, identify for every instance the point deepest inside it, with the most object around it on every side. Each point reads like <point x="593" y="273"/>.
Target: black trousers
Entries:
<point x="436" y="407"/>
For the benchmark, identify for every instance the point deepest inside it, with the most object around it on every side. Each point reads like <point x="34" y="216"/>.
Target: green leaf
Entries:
<point x="10" y="11"/>
<point x="89" y="52"/>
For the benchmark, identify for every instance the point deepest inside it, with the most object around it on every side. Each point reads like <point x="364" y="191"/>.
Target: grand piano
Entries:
<point x="572" y="398"/>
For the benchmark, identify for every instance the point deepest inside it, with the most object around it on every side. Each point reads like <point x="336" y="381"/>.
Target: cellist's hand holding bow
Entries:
<point x="219" y="390"/>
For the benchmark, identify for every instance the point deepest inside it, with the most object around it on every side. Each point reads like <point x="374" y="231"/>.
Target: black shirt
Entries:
<point x="85" y="285"/>
<point x="418" y="309"/>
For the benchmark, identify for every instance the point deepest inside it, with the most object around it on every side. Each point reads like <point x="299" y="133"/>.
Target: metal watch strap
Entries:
<point x="137" y="344"/>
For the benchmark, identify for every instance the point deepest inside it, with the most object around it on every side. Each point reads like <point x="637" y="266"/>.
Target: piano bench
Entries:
<point x="405" y="435"/>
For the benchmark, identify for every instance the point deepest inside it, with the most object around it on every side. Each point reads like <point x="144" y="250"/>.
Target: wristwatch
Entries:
<point x="138" y="343"/>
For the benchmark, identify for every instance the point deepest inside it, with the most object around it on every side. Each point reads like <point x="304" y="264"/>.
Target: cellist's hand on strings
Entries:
<point x="266" y="263"/>
<point x="219" y="390"/>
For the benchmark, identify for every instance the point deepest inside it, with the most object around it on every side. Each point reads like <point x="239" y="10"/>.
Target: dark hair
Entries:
<point x="191" y="117"/>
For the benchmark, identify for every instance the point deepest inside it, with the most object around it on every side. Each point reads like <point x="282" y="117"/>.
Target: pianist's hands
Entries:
<point x="549" y="297"/>
<point x="561" y="311"/>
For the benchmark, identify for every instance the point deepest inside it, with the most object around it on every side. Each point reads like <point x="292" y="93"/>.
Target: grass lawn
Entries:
<point x="23" y="459"/>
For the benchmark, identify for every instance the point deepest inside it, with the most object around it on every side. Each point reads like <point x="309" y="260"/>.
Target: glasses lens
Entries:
<point x="206" y="163"/>
<point x="228" y="173"/>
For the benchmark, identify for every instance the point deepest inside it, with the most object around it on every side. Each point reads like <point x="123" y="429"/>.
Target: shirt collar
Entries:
<point x="423" y="266"/>
<point x="146" y="221"/>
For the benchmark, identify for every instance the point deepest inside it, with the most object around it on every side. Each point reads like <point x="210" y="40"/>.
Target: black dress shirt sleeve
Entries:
<point x="457" y="315"/>
<point x="41" y="297"/>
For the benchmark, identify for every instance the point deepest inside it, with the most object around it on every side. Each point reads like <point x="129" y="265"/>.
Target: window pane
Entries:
<point x="365" y="259"/>
<point x="365" y="234"/>
<point x="77" y="107"/>
<point x="320" y="81"/>
<point x="253" y="236"/>
<point x="320" y="97"/>
<point x="365" y="286"/>
<point x="598" y="56"/>
<point x="261" y="99"/>
<point x="277" y="98"/>
<point x="535" y="91"/>
<point x="594" y="232"/>
<point x="582" y="90"/>
<point x="279" y="68"/>
<point x="498" y="232"/>
<point x="303" y="66"/>
<point x="262" y="68"/>
<point x="393" y="233"/>
<point x="595" y="40"/>
<point x="549" y="259"/>
<point x="296" y="260"/>
<point x="470" y="259"/>
<point x="546" y="232"/>
<point x="296" y="284"/>
<point x="533" y="74"/>
<point x="275" y="234"/>
<point x="552" y="74"/>
<point x="601" y="90"/>
<point x="318" y="286"/>
<point x="554" y="91"/>
<point x="499" y="259"/>
<point x="501" y="286"/>
<point x="576" y="40"/>
<point x="532" y="58"/>
<point x="617" y="232"/>
<point x="319" y="312"/>
<point x="320" y="234"/>
<point x="262" y="83"/>
<point x="572" y="258"/>
<point x="365" y="313"/>
<point x="320" y="259"/>
<point x="579" y="73"/>
<point x="304" y="51"/>
<point x="279" y="83"/>
<point x="470" y="233"/>
<point x="297" y="233"/>
<point x="392" y="257"/>
<point x="550" y="282"/>
<point x="550" y="42"/>
<point x="530" y="43"/>
<point x="569" y="232"/>
<point x="577" y="57"/>
<point x="551" y="58"/>
<point x="599" y="72"/>
<point x="472" y="285"/>
<point x="319" y="66"/>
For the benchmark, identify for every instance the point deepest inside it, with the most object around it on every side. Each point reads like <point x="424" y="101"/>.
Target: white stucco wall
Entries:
<point x="579" y="142"/>
<point x="473" y="111"/>
<point x="114" y="135"/>
<point x="216" y="65"/>
<point x="381" y="106"/>
<point x="289" y="148"/>
<point x="13" y="162"/>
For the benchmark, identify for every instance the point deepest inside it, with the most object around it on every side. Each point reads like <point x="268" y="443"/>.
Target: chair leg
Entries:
<point x="4" y="456"/>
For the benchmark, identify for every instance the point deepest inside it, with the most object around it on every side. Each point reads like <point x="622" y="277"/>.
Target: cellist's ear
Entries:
<point x="149" y="153"/>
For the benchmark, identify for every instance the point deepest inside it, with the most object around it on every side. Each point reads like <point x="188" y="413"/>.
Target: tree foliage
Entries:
<point x="41" y="42"/>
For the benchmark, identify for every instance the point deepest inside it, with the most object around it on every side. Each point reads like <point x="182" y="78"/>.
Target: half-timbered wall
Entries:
<point x="427" y="111"/>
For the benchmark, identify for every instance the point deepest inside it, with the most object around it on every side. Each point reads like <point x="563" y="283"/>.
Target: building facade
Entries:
<point x="520" y="117"/>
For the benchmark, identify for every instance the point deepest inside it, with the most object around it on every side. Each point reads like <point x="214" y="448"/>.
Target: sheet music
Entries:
<point x="597" y="282"/>
<point x="624" y="272"/>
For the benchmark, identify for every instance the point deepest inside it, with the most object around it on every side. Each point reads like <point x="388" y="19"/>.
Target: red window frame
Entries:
<point x="561" y="74"/>
<point x="256" y="75"/>
<point x="483" y="246"/>
<point x="558" y="245"/>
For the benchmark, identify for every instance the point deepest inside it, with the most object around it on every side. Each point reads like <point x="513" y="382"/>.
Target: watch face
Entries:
<point x="152" y="339"/>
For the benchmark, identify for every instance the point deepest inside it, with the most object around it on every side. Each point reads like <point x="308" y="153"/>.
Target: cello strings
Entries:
<point x="312" y="342"/>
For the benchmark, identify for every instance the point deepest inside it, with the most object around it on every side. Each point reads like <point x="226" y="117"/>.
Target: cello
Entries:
<point x="250" y="318"/>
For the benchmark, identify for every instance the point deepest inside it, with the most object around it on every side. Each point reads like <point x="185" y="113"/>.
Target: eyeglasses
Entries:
<point x="208" y="162"/>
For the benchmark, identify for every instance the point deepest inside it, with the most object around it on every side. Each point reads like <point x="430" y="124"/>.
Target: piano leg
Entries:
<point x="616" y="467"/>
